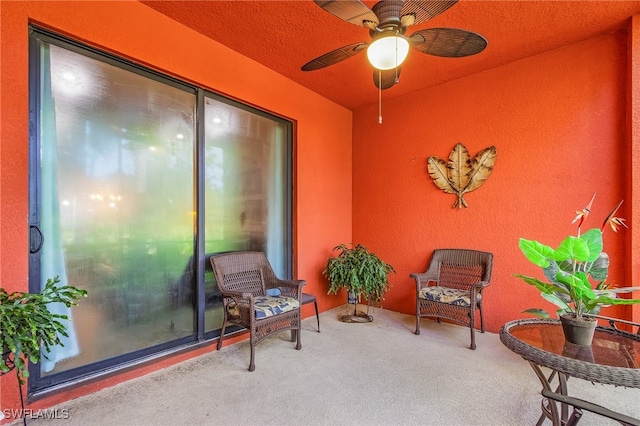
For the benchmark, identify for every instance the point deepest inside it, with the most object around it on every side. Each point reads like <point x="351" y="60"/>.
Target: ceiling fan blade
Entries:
<point x="448" y="42"/>
<point x="334" y="56"/>
<point x="385" y="79"/>
<point x="415" y="11"/>
<point x="353" y="11"/>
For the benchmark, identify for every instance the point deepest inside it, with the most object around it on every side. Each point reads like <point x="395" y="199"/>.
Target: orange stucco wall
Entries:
<point x="632" y="162"/>
<point x="562" y="124"/>
<point x="558" y="122"/>
<point x="132" y="30"/>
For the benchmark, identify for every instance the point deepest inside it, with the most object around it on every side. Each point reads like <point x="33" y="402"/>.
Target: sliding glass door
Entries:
<point x="245" y="181"/>
<point x="128" y="198"/>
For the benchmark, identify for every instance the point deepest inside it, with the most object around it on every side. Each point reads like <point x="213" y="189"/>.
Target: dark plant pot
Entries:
<point x="578" y="331"/>
<point x="356" y="316"/>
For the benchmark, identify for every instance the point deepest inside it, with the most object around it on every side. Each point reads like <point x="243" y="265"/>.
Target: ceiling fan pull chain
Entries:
<point x="396" y="61"/>
<point x="379" y="97"/>
<point x="396" y="79"/>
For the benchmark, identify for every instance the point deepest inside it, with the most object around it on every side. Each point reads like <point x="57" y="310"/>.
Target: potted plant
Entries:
<point x="362" y="274"/>
<point x="28" y="329"/>
<point x="576" y="272"/>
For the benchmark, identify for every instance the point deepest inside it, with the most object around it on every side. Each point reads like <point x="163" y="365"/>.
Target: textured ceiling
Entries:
<point x="284" y="35"/>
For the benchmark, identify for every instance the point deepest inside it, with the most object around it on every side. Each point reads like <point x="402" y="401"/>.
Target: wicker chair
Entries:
<point x="458" y="277"/>
<point x="254" y="298"/>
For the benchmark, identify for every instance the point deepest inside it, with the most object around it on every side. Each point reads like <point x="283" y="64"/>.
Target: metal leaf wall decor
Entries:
<point x="462" y="174"/>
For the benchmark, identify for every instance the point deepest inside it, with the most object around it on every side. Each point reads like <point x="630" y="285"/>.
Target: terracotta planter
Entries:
<point x="578" y="332"/>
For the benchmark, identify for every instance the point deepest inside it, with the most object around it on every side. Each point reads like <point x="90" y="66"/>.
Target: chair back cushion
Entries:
<point x="273" y="291"/>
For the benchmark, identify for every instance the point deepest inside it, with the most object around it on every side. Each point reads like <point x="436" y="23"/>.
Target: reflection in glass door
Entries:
<point x="130" y="200"/>
<point x="245" y="181"/>
<point x="116" y="208"/>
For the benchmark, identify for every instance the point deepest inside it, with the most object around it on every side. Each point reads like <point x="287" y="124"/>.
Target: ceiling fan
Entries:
<point x="387" y="22"/>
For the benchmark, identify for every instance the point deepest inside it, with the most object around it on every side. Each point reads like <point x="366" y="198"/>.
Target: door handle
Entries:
<point x="36" y="239"/>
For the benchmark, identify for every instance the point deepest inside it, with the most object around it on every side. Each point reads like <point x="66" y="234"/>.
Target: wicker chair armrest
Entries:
<point x="480" y="285"/>
<point x="424" y="279"/>
<point x="291" y="283"/>
<point x="477" y="288"/>
<point x="244" y="305"/>
<point x="292" y="288"/>
<point x="589" y="406"/>
<point x="238" y="296"/>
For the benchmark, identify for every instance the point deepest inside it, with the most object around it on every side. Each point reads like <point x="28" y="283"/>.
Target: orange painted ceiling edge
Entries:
<point x="284" y="35"/>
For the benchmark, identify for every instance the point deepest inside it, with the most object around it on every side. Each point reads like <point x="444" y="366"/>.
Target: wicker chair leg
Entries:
<point x="481" y="318"/>
<point x="252" y="365"/>
<point x="315" y="303"/>
<point x="224" y="325"/>
<point x="417" y="332"/>
<point x="473" y="338"/>
<point x="472" y="327"/>
<point x="298" y="333"/>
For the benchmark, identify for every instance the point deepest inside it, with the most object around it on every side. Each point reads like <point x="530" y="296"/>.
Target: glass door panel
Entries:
<point x="116" y="185"/>
<point x="113" y="190"/>
<point x="245" y="181"/>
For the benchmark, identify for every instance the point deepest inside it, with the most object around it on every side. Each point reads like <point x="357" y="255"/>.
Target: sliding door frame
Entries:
<point x="40" y="386"/>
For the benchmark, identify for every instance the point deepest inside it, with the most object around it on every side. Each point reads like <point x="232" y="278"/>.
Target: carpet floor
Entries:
<point x="377" y="373"/>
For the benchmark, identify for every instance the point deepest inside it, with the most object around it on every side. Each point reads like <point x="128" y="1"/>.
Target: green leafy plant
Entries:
<point x="28" y="328"/>
<point x="358" y="271"/>
<point x="571" y="268"/>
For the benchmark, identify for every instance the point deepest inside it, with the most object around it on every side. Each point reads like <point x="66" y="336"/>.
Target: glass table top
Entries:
<point x="609" y="348"/>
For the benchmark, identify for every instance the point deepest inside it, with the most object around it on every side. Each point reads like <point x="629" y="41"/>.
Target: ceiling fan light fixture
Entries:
<point x="388" y="52"/>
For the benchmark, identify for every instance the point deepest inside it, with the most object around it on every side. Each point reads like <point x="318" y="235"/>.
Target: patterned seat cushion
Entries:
<point x="447" y="295"/>
<point x="267" y="306"/>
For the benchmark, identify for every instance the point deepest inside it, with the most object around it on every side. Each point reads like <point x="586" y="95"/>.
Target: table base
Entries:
<point x="560" y="416"/>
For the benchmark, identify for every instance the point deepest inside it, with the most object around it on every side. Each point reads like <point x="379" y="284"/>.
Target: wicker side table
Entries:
<point x="310" y="298"/>
<point x="613" y="358"/>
